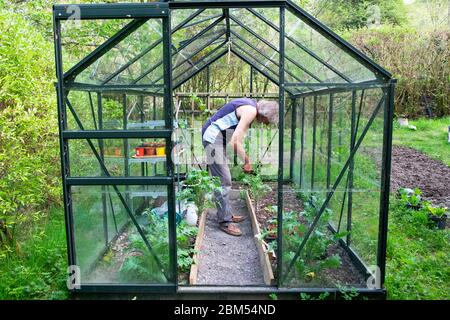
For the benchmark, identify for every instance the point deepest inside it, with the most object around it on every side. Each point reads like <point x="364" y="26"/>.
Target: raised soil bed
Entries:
<point x="347" y="273"/>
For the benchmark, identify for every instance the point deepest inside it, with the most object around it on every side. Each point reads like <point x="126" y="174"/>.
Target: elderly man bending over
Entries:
<point x="229" y="126"/>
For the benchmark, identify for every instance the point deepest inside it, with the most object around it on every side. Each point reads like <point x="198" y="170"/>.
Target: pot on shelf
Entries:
<point x="150" y="151"/>
<point x="140" y="151"/>
<point x="117" y="151"/>
<point x="161" y="150"/>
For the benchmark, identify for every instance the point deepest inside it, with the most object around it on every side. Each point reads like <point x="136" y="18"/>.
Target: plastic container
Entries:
<point x="161" y="151"/>
<point x="140" y="151"/>
<point x="150" y="151"/>
<point x="117" y="152"/>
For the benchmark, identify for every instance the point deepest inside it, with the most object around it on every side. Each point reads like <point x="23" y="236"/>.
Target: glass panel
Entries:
<point x="192" y="60"/>
<point x="140" y="111"/>
<point x="256" y="64"/>
<point x="195" y="26"/>
<point x="257" y="25"/>
<point x="313" y="66"/>
<point x="326" y="51"/>
<point x="80" y="37"/>
<point x="270" y="14"/>
<point x="287" y="140"/>
<point x="341" y="138"/>
<point x="267" y="62"/>
<point x="124" y="53"/>
<point x="267" y="50"/>
<point x="108" y="246"/>
<point x="204" y="57"/>
<point x="297" y="134"/>
<point x="178" y="16"/>
<point x="147" y="70"/>
<point x="321" y="146"/>
<point x="326" y="259"/>
<point x="122" y="157"/>
<point x="367" y="181"/>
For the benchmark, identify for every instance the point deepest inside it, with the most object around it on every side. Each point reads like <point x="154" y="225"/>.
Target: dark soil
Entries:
<point x="412" y="169"/>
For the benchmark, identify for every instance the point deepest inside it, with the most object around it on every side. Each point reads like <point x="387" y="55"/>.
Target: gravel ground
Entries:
<point x="229" y="260"/>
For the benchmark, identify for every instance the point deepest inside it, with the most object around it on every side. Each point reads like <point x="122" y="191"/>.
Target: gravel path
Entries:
<point x="229" y="260"/>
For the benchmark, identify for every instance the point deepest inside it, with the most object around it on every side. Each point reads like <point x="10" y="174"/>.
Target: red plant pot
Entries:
<point x="140" y="151"/>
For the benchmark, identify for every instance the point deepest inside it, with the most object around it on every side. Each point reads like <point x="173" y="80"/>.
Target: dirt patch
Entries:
<point x="412" y="169"/>
<point x="228" y="260"/>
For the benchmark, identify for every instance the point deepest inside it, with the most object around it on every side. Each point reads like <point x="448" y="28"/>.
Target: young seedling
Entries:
<point x="258" y="189"/>
<point x="199" y="187"/>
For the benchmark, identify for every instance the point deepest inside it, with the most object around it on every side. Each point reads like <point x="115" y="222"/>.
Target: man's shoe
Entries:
<point x="237" y="219"/>
<point x="231" y="229"/>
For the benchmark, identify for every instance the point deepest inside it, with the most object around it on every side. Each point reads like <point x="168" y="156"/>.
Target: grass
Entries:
<point x="430" y="138"/>
<point x="40" y="271"/>
<point x="417" y="257"/>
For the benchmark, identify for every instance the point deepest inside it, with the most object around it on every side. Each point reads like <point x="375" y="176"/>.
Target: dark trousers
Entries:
<point x="218" y="167"/>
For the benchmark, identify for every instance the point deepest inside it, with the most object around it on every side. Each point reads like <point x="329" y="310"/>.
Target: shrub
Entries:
<point x="29" y="154"/>
<point x="418" y="59"/>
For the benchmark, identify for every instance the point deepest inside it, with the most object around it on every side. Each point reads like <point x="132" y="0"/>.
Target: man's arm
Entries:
<point x="247" y="116"/>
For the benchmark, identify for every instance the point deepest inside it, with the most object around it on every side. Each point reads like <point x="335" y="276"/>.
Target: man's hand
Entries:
<point x="247" y="115"/>
<point x="247" y="168"/>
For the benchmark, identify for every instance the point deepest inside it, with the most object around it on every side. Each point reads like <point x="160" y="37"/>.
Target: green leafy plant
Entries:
<point x="348" y="293"/>
<point x="438" y="212"/>
<point x="321" y="297"/>
<point x="206" y="112"/>
<point x="140" y="264"/>
<point x="258" y="189"/>
<point x="315" y="256"/>
<point x="199" y="187"/>
<point x="411" y="198"/>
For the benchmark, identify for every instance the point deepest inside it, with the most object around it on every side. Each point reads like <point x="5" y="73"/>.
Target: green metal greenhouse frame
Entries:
<point x="298" y="84"/>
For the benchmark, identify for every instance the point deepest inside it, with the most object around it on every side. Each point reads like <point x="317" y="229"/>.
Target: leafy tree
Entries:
<point x="351" y="14"/>
<point x="29" y="154"/>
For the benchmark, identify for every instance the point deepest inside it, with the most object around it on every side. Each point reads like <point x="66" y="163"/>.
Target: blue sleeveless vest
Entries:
<point x="224" y="119"/>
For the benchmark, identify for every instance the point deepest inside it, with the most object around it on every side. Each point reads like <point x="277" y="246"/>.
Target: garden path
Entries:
<point x="228" y="260"/>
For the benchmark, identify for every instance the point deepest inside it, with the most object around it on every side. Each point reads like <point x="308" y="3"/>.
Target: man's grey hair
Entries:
<point x="269" y="109"/>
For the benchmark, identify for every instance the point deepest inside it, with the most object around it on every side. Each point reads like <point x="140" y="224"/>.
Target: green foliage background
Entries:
<point x="29" y="157"/>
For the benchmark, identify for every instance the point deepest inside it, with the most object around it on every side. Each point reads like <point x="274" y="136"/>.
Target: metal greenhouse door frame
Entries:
<point x="140" y="12"/>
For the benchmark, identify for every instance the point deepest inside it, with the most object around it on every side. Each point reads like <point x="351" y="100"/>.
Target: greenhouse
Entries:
<point x="135" y="84"/>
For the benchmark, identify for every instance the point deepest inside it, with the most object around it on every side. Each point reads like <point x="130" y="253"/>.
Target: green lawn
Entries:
<point x="417" y="257"/>
<point x="431" y="138"/>
<point x="417" y="264"/>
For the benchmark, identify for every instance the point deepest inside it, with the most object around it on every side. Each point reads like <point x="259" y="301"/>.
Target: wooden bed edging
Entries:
<point x="266" y="266"/>
<point x="198" y="243"/>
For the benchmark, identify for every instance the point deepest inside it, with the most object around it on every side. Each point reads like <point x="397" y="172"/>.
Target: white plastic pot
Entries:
<point x="191" y="214"/>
